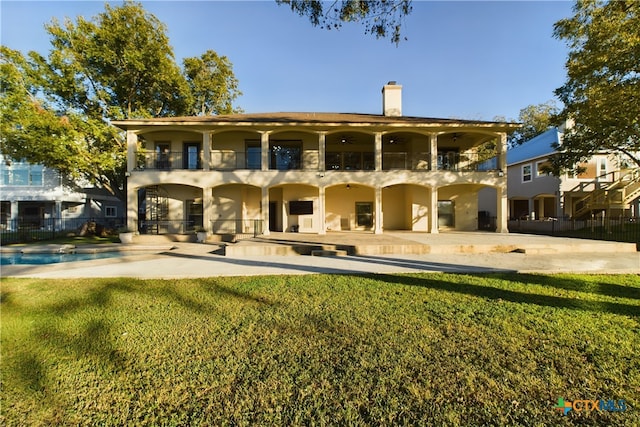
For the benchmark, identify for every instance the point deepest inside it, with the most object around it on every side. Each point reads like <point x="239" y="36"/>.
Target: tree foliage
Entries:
<point x="212" y="83"/>
<point x="57" y="110"/>
<point x="602" y="91"/>
<point x="535" y="119"/>
<point x="381" y="18"/>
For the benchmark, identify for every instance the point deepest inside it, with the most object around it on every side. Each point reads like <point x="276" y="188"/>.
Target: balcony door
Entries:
<point x="191" y="155"/>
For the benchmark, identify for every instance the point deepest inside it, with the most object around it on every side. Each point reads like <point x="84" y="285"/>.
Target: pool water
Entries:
<point x="40" y="259"/>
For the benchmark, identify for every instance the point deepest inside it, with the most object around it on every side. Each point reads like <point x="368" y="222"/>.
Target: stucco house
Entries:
<point x="313" y="172"/>
<point x="607" y="186"/>
<point x="38" y="197"/>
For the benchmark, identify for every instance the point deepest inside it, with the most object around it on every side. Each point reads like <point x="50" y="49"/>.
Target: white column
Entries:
<point x="321" y="211"/>
<point x="322" y="140"/>
<point x="501" y="209"/>
<point x="207" y="209"/>
<point x="378" y="151"/>
<point x="264" y="147"/>
<point x="132" y="145"/>
<point x="378" y="211"/>
<point x="502" y="154"/>
<point x="265" y="210"/>
<point x="433" y="211"/>
<point x="15" y="213"/>
<point x="206" y="153"/>
<point x="132" y="208"/>
<point x="433" y="151"/>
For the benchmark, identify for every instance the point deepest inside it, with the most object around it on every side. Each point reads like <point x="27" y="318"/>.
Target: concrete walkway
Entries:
<point x="449" y="252"/>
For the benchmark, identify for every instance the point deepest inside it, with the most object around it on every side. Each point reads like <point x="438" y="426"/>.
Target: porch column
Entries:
<point x="433" y="151"/>
<point x="264" y="148"/>
<point x="206" y="152"/>
<point x="531" y="213"/>
<point x="132" y="208"/>
<point x="321" y="211"/>
<point x="501" y="209"/>
<point x="207" y="209"/>
<point x="15" y="213"/>
<point x="57" y="215"/>
<point x="132" y="145"/>
<point x="378" y="211"/>
<point x="433" y="211"/>
<point x="264" y="205"/>
<point x="502" y="153"/>
<point x="322" y="139"/>
<point x="378" y="151"/>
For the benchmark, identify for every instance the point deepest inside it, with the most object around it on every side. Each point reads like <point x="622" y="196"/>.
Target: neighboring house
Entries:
<point x="313" y="172"/>
<point x="38" y="197"/>
<point x="604" y="187"/>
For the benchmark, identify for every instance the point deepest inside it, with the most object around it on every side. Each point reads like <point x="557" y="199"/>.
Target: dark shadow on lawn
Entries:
<point x="425" y="266"/>
<point x="441" y="283"/>
<point x="572" y="284"/>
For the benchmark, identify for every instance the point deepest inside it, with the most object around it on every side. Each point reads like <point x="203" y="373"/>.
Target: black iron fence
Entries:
<point x="621" y="229"/>
<point x="23" y="230"/>
<point x="239" y="228"/>
<point x="167" y="226"/>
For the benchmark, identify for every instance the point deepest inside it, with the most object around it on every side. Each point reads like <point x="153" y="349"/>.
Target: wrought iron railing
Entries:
<point x="166" y="226"/>
<point x="30" y="229"/>
<point x="620" y="229"/>
<point x="154" y="160"/>
<point x="237" y="227"/>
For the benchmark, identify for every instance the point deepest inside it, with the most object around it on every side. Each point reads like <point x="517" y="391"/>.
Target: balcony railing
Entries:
<point x="466" y="162"/>
<point x="237" y="227"/>
<point x="223" y="160"/>
<point x="168" y="160"/>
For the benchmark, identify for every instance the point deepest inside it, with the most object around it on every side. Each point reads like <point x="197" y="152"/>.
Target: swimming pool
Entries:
<point x="53" y="258"/>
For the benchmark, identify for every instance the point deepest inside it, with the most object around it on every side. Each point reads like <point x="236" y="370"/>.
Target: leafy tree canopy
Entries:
<point x="535" y="119"/>
<point x="602" y="91"/>
<point x="57" y="110"/>
<point x="381" y="18"/>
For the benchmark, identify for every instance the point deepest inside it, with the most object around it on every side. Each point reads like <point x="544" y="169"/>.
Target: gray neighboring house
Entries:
<point x="605" y="187"/>
<point x="36" y="196"/>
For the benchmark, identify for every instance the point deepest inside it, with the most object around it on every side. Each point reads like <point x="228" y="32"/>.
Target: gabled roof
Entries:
<point x="537" y="147"/>
<point x="291" y="118"/>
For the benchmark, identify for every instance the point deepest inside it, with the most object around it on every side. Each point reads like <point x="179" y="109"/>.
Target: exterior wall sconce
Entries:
<point x="500" y="173"/>
<point x="348" y="186"/>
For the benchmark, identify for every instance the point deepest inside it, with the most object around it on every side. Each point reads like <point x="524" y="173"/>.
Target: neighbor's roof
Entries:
<point x="335" y="119"/>
<point x="535" y="148"/>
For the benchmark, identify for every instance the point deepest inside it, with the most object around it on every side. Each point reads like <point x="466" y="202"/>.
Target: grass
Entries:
<point x="414" y="349"/>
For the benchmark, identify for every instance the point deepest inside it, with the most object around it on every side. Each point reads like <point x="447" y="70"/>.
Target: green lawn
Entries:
<point x="419" y="349"/>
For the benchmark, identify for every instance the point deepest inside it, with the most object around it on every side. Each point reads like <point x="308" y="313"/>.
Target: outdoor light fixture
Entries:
<point x="348" y="186"/>
<point x="500" y="172"/>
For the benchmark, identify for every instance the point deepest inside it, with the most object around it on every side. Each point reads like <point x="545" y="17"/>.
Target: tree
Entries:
<point x="57" y="110"/>
<point x="535" y="119"/>
<point x="212" y="83"/>
<point x="602" y="91"/>
<point x="381" y="18"/>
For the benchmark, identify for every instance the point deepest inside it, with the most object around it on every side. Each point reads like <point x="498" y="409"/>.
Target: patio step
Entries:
<point x="328" y="252"/>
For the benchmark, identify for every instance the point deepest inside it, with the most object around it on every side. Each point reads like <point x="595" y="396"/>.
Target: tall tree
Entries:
<point x="57" y="109"/>
<point x="535" y="119"/>
<point x="602" y="90"/>
<point x="213" y="85"/>
<point x="381" y="18"/>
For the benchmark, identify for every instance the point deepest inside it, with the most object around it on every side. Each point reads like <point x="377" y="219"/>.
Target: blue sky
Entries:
<point x="463" y="59"/>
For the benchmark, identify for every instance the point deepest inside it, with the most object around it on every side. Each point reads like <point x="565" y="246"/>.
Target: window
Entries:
<point x="285" y="155"/>
<point x="364" y="214"/>
<point x="110" y="211"/>
<point x="543" y="168"/>
<point x="23" y="174"/>
<point x="526" y="173"/>
<point x="446" y="213"/>
<point x="254" y="154"/>
<point x="603" y="167"/>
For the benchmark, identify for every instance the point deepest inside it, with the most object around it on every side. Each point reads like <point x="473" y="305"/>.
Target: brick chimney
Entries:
<point x="392" y="99"/>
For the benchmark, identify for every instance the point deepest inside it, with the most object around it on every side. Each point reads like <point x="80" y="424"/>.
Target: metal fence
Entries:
<point x="23" y="230"/>
<point x="239" y="228"/>
<point x="622" y="229"/>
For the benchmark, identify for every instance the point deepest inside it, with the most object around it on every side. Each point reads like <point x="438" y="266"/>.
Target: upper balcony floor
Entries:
<point x="346" y="149"/>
